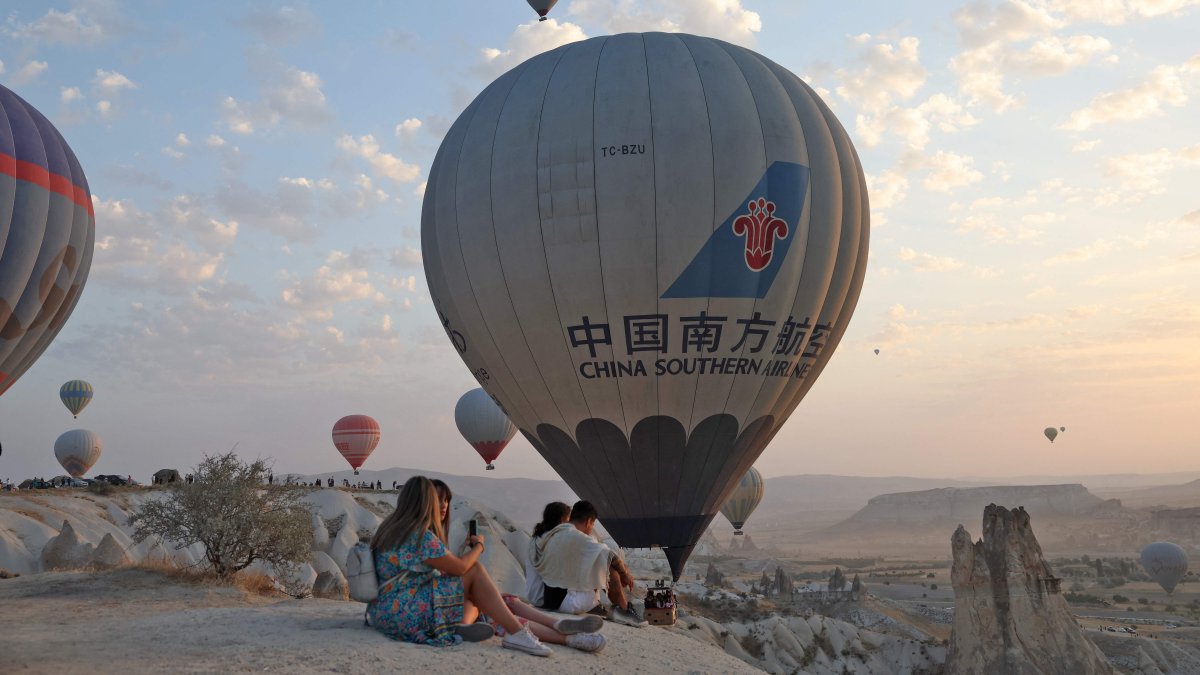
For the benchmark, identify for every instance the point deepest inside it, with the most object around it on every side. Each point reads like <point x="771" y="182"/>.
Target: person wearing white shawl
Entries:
<point x="569" y="557"/>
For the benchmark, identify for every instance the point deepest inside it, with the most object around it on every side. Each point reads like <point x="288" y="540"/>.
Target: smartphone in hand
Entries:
<point x="473" y="527"/>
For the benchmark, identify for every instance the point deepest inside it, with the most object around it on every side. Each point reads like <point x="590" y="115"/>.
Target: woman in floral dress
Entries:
<point x="424" y="588"/>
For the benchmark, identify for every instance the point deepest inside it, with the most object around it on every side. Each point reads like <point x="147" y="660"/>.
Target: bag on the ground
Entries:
<point x="360" y="573"/>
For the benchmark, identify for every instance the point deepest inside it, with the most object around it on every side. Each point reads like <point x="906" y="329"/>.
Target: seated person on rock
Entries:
<point x="430" y="596"/>
<point x="575" y="566"/>
<point x="555" y="514"/>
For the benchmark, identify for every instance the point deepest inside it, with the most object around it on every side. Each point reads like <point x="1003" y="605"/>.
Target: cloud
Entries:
<point x="929" y="263"/>
<point x="1084" y="146"/>
<point x="1082" y="253"/>
<point x="948" y="170"/>
<point x="381" y="163"/>
<point x="336" y="282"/>
<point x="286" y="210"/>
<point x="285" y="94"/>
<point x="29" y="72"/>
<point x="1139" y="173"/>
<point x="1116" y="12"/>
<point x="724" y="19"/>
<point x="214" y="141"/>
<point x="110" y="82"/>
<point x="1164" y="86"/>
<point x="69" y="94"/>
<point x="407" y="256"/>
<point x="279" y="25"/>
<point x="72" y="28"/>
<point x="527" y="41"/>
<point x="408" y="127"/>
<point x="889" y="72"/>
<point x="104" y="108"/>
<point x="887" y="190"/>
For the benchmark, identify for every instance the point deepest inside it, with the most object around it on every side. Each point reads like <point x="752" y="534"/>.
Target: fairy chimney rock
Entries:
<point x="1010" y="617"/>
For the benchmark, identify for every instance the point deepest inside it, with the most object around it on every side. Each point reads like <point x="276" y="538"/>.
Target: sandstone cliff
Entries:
<point x="1010" y="617"/>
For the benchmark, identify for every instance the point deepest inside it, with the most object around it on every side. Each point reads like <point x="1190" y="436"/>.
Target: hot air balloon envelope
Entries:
<point x="646" y="247"/>
<point x="744" y="499"/>
<point x="483" y="424"/>
<point x="47" y="232"/>
<point x="542" y="7"/>
<point x="77" y="451"/>
<point x="1062" y="428"/>
<point x="355" y="436"/>
<point x="76" y="394"/>
<point x="1051" y="433"/>
<point x="1165" y="562"/>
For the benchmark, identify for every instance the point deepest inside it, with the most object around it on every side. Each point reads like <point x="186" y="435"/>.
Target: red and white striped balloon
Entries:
<point x="355" y="436"/>
<point x="483" y="424"/>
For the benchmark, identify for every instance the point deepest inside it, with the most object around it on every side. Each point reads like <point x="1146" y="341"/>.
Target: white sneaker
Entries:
<point x="586" y="642"/>
<point x="525" y="641"/>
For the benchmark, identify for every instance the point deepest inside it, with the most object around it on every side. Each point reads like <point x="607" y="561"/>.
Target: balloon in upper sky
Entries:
<point x="542" y="7"/>
<point x="77" y="451"/>
<point x="1051" y="433"/>
<point x="355" y="436"/>
<point x="483" y="424"/>
<point x="47" y="231"/>
<point x="744" y="499"/>
<point x="646" y="247"/>
<point x="76" y="394"/>
<point x="876" y="352"/>
<point x="1062" y="428"/>
<point x="1165" y="562"/>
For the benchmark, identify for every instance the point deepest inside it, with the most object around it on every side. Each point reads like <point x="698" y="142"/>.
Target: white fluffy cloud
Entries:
<point x="286" y="94"/>
<point x="528" y="40"/>
<point x="949" y="170"/>
<point x="723" y="19"/>
<point x="927" y="262"/>
<point x="384" y="164"/>
<point x="1164" y="86"/>
<point x="1116" y="12"/>
<point x="29" y="72"/>
<point x="74" y="27"/>
<point x="408" y="128"/>
<point x="342" y="279"/>
<point x="110" y="82"/>
<point x="888" y="72"/>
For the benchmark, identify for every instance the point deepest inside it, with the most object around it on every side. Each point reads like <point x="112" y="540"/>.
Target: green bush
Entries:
<point x="1120" y="598"/>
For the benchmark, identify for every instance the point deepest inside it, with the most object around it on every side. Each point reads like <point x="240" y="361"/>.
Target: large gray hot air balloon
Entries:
<point x="1165" y="562"/>
<point x="646" y="247"/>
<point x="1051" y="433"/>
<point x="47" y="230"/>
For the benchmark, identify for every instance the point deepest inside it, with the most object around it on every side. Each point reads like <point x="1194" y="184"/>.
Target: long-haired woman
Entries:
<point x="417" y="605"/>
<point x="555" y="514"/>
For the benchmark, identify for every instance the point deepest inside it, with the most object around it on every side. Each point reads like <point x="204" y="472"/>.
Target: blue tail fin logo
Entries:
<point x="743" y="256"/>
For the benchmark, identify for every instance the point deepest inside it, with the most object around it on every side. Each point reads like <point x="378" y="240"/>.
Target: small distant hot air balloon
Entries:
<point x="876" y="352"/>
<point x="542" y="7"/>
<point x="77" y="451"/>
<point x="1062" y="428"/>
<point x="76" y="394"/>
<point x="483" y="424"/>
<point x="1165" y="562"/>
<point x="355" y="436"/>
<point x="1051" y="433"/>
<point x="744" y="499"/>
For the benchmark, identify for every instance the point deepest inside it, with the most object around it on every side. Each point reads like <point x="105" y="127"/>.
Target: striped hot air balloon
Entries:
<point x="77" y="451"/>
<point x="483" y="424"/>
<point x="355" y="436"/>
<point x="76" y="394"/>
<point x="47" y="232"/>
<point x="744" y="499"/>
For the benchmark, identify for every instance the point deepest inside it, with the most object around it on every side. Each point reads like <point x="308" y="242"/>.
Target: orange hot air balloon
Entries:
<point x="355" y="436"/>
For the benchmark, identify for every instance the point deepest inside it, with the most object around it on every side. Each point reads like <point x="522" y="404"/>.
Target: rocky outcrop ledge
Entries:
<point x="1010" y="617"/>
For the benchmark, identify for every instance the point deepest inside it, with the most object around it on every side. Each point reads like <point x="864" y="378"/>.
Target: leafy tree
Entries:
<point x="228" y="509"/>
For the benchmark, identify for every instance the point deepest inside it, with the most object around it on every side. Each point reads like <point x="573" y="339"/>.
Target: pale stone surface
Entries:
<point x="1009" y="618"/>
<point x="109" y="554"/>
<point x="65" y="551"/>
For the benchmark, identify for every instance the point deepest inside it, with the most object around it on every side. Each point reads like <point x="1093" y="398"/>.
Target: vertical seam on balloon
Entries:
<point x="571" y="462"/>
<point x="691" y="425"/>
<point x="458" y="240"/>
<point x="743" y="424"/>
<point x="657" y="297"/>
<point x="572" y="430"/>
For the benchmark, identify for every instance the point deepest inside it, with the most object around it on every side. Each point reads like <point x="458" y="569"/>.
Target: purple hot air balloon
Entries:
<point x="47" y="232"/>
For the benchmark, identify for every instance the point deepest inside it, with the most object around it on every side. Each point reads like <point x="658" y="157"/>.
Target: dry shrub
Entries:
<point x="255" y="582"/>
<point x="33" y="515"/>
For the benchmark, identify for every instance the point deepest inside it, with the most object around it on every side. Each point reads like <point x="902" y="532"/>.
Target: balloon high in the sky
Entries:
<point x="1165" y="562"/>
<point x="542" y="7"/>
<point x="1051" y="433"/>
<point x="76" y="394"/>
<point x="1062" y="428"/>
<point x="47" y="231"/>
<point x="743" y="500"/>
<point x="646" y="247"/>
<point x="483" y="424"/>
<point x="876" y="352"/>
<point x="77" y="451"/>
<point x="355" y="436"/>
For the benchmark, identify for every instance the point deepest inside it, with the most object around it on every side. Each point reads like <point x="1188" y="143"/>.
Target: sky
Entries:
<point x="257" y="170"/>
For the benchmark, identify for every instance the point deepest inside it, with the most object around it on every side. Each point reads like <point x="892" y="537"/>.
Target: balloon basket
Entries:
<point x="661" y="605"/>
<point x="356" y="472"/>
<point x="737" y="533"/>
<point x="491" y="467"/>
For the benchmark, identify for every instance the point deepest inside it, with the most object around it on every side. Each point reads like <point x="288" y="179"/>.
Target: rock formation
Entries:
<point x="109" y="554"/>
<point x="1009" y="615"/>
<point x="66" y="551"/>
